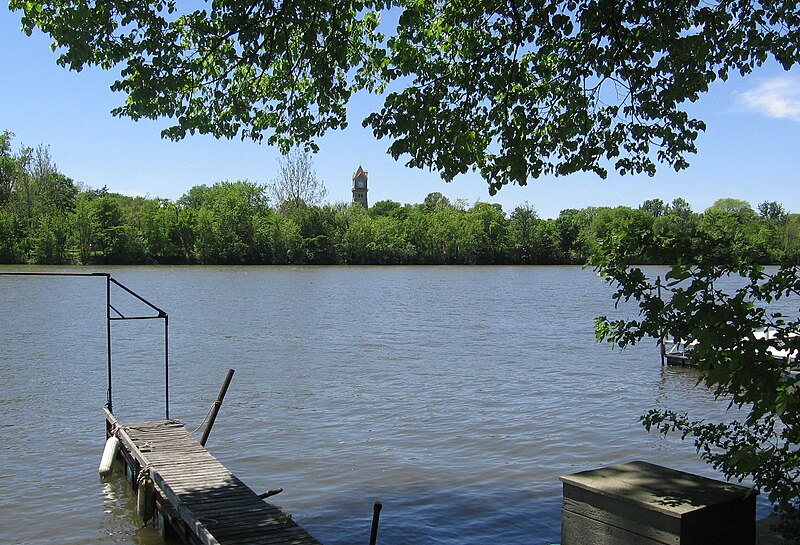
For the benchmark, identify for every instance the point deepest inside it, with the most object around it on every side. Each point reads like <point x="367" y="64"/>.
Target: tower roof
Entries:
<point x="359" y="172"/>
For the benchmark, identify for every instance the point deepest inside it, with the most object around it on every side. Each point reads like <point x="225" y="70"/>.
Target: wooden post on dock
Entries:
<point x="217" y="405"/>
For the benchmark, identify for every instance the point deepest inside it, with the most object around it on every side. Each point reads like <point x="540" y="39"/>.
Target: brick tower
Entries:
<point x="360" y="187"/>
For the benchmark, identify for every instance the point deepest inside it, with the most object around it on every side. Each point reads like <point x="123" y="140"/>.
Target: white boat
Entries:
<point x="676" y="352"/>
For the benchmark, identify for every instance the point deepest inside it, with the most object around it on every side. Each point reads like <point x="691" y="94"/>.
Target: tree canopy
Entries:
<point x="514" y="90"/>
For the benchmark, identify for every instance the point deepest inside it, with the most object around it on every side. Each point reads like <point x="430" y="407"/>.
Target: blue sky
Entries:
<point x="750" y="151"/>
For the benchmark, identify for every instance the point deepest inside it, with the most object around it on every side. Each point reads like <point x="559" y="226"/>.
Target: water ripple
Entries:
<point x="454" y="395"/>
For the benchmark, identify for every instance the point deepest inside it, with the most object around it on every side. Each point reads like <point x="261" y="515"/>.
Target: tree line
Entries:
<point x="47" y="218"/>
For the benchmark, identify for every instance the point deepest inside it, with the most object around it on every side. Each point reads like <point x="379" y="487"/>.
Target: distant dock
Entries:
<point x="189" y="493"/>
<point x="677" y="352"/>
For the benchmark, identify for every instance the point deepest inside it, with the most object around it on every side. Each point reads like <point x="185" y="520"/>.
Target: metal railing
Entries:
<point x="113" y="314"/>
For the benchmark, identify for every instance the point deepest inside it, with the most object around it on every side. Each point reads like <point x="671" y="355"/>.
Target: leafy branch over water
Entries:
<point x="737" y="364"/>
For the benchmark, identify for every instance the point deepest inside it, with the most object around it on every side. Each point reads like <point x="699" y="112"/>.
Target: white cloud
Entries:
<point x="778" y="98"/>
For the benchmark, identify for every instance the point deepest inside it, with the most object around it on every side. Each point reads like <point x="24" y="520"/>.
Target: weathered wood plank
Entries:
<point x="228" y="509"/>
<point x="213" y="476"/>
<point x="639" y="502"/>
<point x="577" y="528"/>
<point x="266" y="539"/>
<point x="204" y="470"/>
<point x="198" y="498"/>
<point x="626" y="516"/>
<point x="213" y="504"/>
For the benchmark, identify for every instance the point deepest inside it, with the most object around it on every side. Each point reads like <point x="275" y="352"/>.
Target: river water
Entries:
<point x="456" y="396"/>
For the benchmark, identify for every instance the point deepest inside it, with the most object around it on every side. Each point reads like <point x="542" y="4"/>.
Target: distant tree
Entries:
<point x="791" y="241"/>
<point x="40" y="185"/>
<point x="681" y="208"/>
<point x="317" y="229"/>
<point x="226" y="220"/>
<point x="573" y="229"/>
<point x="546" y="243"/>
<point x="10" y="170"/>
<point x="523" y="222"/>
<point x="772" y="211"/>
<point x="732" y="206"/>
<point x="107" y="215"/>
<point x="656" y="207"/>
<point x="435" y="200"/>
<point x="610" y="222"/>
<point x="128" y="246"/>
<point x="159" y="221"/>
<point x="10" y="239"/>
<point x="676" y="232"/>
<point x="23" y="197"/>
<point x="41" y="163"/>
<point x="57" y="191"/>
<point x="194" y="198"/>
<point x="451" y="241"/>
<point x="84" y="227"/>
<point x="48" y="240"/>
<point x="383" y="208"/>
<point x="489" y="228"/>
<point x="297" y="183"/>
<point x="37" y="198"/>
<point x="341" y="216"/>
<point x="525" y="211"/>
<point x="374" y="240"/>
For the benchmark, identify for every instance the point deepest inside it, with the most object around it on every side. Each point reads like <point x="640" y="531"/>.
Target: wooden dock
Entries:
<point x="188" y="492"/>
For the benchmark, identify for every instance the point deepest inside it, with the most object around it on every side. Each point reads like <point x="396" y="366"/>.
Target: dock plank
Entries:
<point x="211" y="501"/>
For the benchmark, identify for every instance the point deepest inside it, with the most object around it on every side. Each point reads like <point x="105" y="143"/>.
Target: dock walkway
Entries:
<point x="200" y="497"/>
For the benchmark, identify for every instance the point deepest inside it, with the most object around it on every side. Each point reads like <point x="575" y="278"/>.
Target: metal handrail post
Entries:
<point x="166" y="366"/>
<point x="109" y="403"/>
<point x="109" y="318"/>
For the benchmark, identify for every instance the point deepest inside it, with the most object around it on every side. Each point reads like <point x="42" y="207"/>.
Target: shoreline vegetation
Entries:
<point x="47" y="218"/>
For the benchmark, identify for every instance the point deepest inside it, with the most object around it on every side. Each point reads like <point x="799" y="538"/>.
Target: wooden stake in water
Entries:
<point x="376" y="515"/>
<point x="217" y="405"/>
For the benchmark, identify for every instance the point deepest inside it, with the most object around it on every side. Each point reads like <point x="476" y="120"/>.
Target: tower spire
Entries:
<point x="360" y="187"/>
